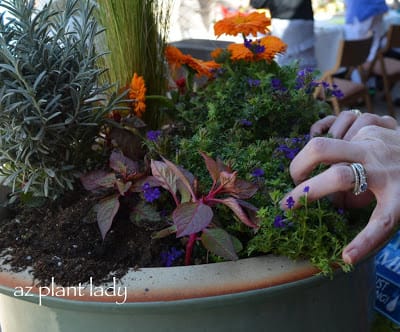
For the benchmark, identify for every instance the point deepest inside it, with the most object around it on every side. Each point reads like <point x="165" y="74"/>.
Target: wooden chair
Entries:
<point x="387" y="68"/>
<point x="351" y="55"/>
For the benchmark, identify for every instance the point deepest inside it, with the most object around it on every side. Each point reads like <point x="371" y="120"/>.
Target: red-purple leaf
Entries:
<point x="212" y="166"/>
<point x="222" y="167"/>
<point x="123" y="187"/>
<point x="227" y="179"/>
<point x="98" y="179"/>
<point x="122" y="164"/>
<point x="235" y="206"/>
<point x="250" y="210"/>
<point x="107" y="209"/>
<point x="164" y="175"/>
<point x="241" y="189"/>
<point x="137" y="186"/>
<point x="181" y="176"/>
<point x="191" y="217"/>
<point x="219" y="242"/>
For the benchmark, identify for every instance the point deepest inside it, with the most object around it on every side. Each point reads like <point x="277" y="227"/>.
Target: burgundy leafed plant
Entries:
<point x="193" y="215"/>
<point x="121" y="177"/>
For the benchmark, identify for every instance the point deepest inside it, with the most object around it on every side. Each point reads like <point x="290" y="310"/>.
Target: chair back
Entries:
<point x="353" y="53"/>
<point x="393" y="37"/>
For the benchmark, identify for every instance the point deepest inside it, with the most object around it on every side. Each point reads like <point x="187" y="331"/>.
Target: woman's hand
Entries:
<point x="378" y="150"/>
<point x="348" y="123"/>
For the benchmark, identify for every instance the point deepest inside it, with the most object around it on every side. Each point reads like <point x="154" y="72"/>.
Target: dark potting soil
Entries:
<point x="62" y="241"/>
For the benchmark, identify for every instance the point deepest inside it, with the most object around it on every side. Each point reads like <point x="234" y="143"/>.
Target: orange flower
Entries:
<point x="240" y="52"/>
<point x="216" y="53"/>
<point x="243" y="24"/>
<point x="174" y="56"/>
<point x="201" y="67"/>
<point x="137" y="92"/>
<point x="273" y="45"/>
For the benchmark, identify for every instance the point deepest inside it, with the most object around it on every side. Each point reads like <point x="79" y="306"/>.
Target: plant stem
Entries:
<point x="189" y="248"/>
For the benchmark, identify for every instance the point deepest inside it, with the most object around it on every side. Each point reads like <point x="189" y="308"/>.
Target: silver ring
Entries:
<point x="356" y="112"/>
<point x="360" y="178"/>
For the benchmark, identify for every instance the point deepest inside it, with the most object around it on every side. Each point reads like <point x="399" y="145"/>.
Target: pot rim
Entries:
<point x="166" y="284"/>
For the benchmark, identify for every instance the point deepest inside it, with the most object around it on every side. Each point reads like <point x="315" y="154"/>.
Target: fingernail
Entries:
<point x="350" y="256"/>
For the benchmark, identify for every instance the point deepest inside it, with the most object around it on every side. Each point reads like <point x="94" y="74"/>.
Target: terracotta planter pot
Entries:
<point x="258" y="294"/>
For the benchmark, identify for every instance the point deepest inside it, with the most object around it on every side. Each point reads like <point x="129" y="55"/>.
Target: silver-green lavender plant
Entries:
<point x="51" y="102"/>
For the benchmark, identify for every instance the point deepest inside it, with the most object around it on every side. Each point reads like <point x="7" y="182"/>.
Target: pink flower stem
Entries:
<point x="189" y="248"/>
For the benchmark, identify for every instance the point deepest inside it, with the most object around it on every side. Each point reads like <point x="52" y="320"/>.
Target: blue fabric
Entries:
<point x="362" y="9"/>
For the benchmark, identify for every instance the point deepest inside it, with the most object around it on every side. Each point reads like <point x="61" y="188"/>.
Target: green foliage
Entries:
<point x="255" y="117"/>
<point x="51" y="102"/>
<point x="137" y="34"/>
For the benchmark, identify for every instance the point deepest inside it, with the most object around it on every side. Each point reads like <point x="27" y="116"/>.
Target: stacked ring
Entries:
<point x="356" y="112"/>
<point x="360" y="178"/>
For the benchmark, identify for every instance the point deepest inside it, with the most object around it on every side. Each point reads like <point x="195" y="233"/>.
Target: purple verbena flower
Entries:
<point x="340" y="211"/>
<point x="245" y="123"/>
<point x="253" y="83"/>
<point x="337" y="93"/>
<point x="306" y="189"/>
<point x="258" y="172"/>
<point x="255" y="47"/>
<point x="153" y="135"/>
<point x="325" y="85"/>
<point x="290" y="202"/>
<point x="248" y="43"/>
<point x="150" y="193"/>
<point x="168" y="257"/>
<point x="277" y="85"/>
<point x="279" y="222"/>
<point x="289" y="153"/>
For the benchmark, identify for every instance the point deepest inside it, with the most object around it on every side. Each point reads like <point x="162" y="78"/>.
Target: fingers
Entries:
<point x="368" y="119"/>
<point x="348" y="123"/>
<point x="322" y="126"/>
<point x="337" y="179"/>
<point x="343" y="124"/>
<point x="379" y="229"/>
<point x="324" y="150"/>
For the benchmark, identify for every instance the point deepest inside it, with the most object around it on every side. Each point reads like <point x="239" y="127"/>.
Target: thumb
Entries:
<point x="379" y="229"/>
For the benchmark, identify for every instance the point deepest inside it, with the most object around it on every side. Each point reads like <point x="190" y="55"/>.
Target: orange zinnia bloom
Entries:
<point x="174" y="56"/>
<point x="216" y="53"/>
<point x="201" y="67"/>
<point x="137" y="92"/>
<point x="273" y="45"/>
<point x="240" y="52"/>
<point x="243" y="24"/>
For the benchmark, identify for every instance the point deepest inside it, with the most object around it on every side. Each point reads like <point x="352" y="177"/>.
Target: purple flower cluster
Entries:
<point x="246" y="123"/>
<point x="292" y="146"/>
<point x="153" y="135"/>
<point x="277" y="85"/>
<point x="253" y="83"/>
<point x="289" y="152"/>
<point x="290" y="202"/>
<point x="150" y="193"/>
<point x="258" y="173"/>
<point x="334" y="91"/>
<point x="304" y="80"/>
<point x="279" y="222"/>
<point x="170" y="256"/>
<point x="256" y="48"/>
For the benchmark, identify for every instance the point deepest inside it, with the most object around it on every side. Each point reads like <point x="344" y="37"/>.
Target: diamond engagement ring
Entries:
<point x="360" y="178"/>
<point x="356" y="112"/>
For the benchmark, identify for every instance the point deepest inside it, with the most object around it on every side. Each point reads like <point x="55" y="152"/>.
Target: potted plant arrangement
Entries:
<point x="153" y="204"/>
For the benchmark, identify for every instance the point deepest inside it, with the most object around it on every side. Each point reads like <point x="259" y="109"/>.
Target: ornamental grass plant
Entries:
<point x="195" y="151"/>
